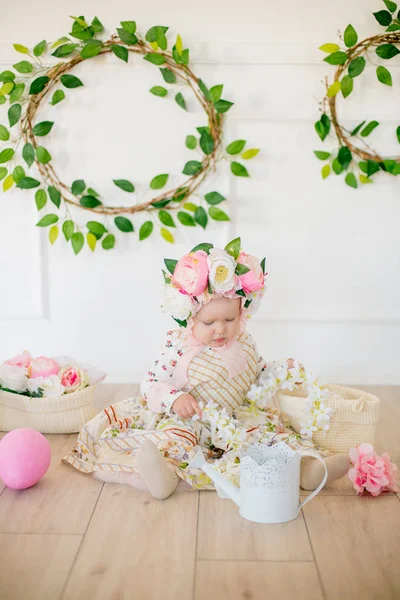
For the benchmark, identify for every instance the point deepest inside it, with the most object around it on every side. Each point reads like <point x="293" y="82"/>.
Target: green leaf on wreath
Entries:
<point x="159" y="181"/>
<point x="191" y="142"/>
<point x="357" y="129"/>
<point x="123" y="224"/>
<point x="384" y="75"/>
<point x="18" y="174"/>
<point x="323" y="126"/>
<point x="125" y="185"/>
<point x="23" y="67"/>
<point x="222" y="106"/>
<point x="346" y="85"/>
<point x="336" y="58"/>
<point x="3" y="172"/>
<point x="383" y="17"/>
<point x="28" y="154"/>
<point x="64" y="50"/>
<point x="325" y="171"/>
<point x="97" y="25"/>
<point x="146" y="230"/>
<point x="167" y="235"/>
<point x="204" y="89"/>
<point x="43" y="156"/>
<point x="108" y="242"/>
<point x="21" y="49"/>
<point x="43" y="128"/>
<point x="151" y="34"/>
<point x="168" y="75"/>
<point x="55" y="195"/>
<point x="206" y="143"/>
<point x="250" y="153"/>
<point x="351" y="180"/>
<point x="321" y="154"/>
<point x="186" y="219"/>
<point x="129" y="26"/>
<point x="78" y="186"/>
<point x="96" y="228"/>
<point x="337" y="167"/>
<point x="180" y="100"/>
<point x="387" y="51"/>
<point x="216" y="92"/>
<point x="154" y="58"/>
<point x="350" y="36"/>
<point x="369" y="128"/>
<point x="6" y="155"/>
<point x="334" y="89"/>
<point x="40" y="199"/>
<point x="214" y="198"/>
<point x="120" y="51"/>
<point x="357" y="66"/>
<point x="40" y="48"/>
<point x="17" y="92"/>
<point x="192" y="167"/>
<point x="89" y="202"/>
<point x="47" y="220"/>
<point x="127" y="38"/>
<point x="5" y="134"/>
<point x="236" y="147"/>
<point x="58" y="96"/>
<point x="38" y="85"/>
<point x="239" y="170"/>
<point x="200" y="216"/>
<point x="158" y="90"/>
<point x="70" y="81"/>
<point x="344" y="157"/>
<point x="166" y="218"/>
<point x="90" y="50"/>
<point x="217" y="214"/>
<point x="398" y="134"/>
<point x="77" y="241"/>
<point x="14" y="114"/>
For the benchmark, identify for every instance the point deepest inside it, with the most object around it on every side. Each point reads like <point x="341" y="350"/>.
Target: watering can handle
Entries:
<point x="321" y="485"/>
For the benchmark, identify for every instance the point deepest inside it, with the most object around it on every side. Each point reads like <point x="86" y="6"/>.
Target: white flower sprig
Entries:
<point x="278" y="377"/>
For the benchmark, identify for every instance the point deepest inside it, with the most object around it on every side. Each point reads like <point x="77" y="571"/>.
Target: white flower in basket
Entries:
<point x="51" y="395"/>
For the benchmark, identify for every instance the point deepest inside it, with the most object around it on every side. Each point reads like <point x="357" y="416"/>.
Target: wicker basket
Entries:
<point x="353" y="422"/>
<point x="64" y="414"/>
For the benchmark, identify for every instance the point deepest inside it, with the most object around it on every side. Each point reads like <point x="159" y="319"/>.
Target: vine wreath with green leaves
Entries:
<point x="351" y="58"/>
<point x="30" y="84"/>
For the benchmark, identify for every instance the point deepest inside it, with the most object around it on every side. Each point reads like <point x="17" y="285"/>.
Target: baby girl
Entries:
<point x="207" y="367"/>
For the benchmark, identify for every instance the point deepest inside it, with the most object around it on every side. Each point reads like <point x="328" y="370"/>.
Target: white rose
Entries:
<point x="222" y="271"/>
<point x="51" y="386"/>
<point x="177" y="304"/>
<point x="13" y="377"/>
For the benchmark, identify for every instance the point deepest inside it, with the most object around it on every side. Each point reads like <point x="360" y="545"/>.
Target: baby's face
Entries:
<point x="217" y="322"/>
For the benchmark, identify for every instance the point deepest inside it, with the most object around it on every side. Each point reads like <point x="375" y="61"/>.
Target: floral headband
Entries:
<point x="207" y="272"/>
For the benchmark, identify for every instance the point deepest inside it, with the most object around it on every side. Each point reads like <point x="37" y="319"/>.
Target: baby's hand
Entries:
<point x="186" y="406"/>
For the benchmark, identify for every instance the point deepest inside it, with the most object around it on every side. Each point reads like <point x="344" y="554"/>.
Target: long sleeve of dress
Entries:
<point x="158" y="387"/>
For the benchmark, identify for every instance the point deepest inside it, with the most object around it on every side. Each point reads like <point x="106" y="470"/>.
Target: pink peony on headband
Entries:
<point x="208" y="272"/>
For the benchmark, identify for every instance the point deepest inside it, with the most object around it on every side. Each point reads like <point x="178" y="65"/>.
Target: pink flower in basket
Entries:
<point x="43" y="367"/>
<point x="371" y="472"/>
<point x="21" y="360"/>
<point x="73" y="378"/>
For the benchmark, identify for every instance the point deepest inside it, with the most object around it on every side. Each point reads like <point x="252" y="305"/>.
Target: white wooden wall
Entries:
<point x="332" y="252"/>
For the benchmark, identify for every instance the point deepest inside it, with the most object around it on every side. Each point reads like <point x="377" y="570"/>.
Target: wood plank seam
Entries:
<point x="315" y="559"/>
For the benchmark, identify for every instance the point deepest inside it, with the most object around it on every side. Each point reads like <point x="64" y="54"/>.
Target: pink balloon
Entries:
<point x="25" y="456"/>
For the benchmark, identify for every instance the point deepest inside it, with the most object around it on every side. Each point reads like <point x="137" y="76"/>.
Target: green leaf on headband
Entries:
<point x="247" y="303"/>
<point x="167" y="278"/>
<point x="205" y="247"/>
<point x="170" y="264"/>
<point x="241" y="269"/>
<point x="240" y="293"/>
<point x="181" y="323"/>
<point x="262" y="264"/>
<point x="233" y="248"/>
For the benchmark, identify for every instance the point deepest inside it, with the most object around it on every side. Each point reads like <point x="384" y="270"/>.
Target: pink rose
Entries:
<point x="253" y="280"/>
<point x="72" y="378"/>
<point x="43" y="367"/>
<point x="21" y="360"/>
<point x="371" y="472"/>
<point x="191" y="273"/>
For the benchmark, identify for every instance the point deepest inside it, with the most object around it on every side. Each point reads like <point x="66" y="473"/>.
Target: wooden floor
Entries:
<point x="74" y="537"/>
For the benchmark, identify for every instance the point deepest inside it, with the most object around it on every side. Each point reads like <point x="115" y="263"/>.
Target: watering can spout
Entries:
<point x="220" y="481"/>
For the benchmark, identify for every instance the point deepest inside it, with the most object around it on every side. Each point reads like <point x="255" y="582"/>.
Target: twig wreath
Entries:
<point x="351" y="60"/>
<point x="31" y="84"/>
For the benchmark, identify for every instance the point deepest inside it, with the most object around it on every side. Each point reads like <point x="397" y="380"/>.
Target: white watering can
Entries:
<point x="269" y="482"/>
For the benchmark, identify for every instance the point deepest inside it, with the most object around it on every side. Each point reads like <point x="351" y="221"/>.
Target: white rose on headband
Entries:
<point x="222" y="271"/>
<point x="179" y="305"/>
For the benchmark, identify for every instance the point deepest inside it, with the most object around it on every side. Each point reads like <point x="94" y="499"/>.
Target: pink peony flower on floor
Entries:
<point x="43" y="367"/>
<point x="21" y="360"/>
<point x="191" y="273"/>
<point x="371" y="472"/>
<point x="72" y="379"/>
